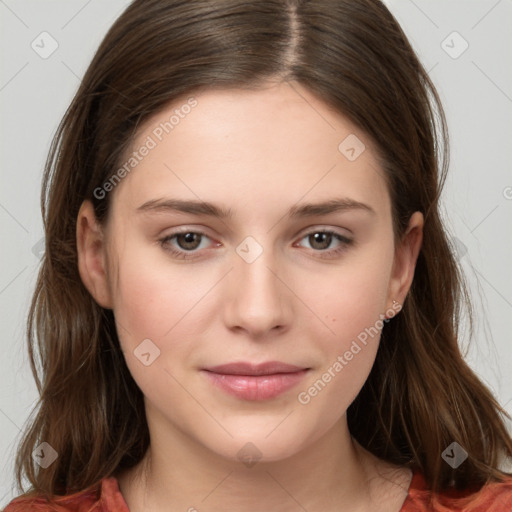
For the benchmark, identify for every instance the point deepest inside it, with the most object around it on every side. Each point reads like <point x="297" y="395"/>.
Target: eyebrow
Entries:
<point x="209" y="209"/>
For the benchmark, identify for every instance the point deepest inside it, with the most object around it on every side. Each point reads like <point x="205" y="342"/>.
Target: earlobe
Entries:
<point x="406" y="256"/>
<point x="92" y="255"/>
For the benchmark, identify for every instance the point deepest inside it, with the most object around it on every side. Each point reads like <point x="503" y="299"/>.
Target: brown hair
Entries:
<point x="420" y="395"/>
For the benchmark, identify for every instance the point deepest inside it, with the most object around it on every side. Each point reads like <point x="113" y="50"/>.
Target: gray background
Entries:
<point x="475" y="86"/>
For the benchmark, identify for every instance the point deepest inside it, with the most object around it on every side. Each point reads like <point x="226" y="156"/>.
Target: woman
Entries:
<point x="248" y="300"/>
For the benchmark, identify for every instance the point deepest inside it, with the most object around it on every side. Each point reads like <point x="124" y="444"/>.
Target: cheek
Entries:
<point x="157" y="302"/>
<point x="349" y="302"/>
<point x="151" y="296"/>
<point x="349" y="298"/>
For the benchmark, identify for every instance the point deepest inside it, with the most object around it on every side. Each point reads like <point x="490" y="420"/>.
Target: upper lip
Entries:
<point x="243" y="368"/>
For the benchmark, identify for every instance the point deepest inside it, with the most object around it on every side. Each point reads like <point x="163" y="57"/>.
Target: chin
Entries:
<point x="258" y="446"/>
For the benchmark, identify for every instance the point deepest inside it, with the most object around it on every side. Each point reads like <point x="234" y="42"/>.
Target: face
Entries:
<point x="296" y="265"/>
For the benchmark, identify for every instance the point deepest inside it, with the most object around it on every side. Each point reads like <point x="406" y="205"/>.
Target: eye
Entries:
<point x="320" y="240"/>
<point x="185" y="242"/>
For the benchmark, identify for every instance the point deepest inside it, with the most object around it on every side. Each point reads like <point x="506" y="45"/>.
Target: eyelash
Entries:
<point x="326" y="254"/>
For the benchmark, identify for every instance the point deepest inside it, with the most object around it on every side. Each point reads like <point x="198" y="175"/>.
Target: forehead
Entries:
<point x="257" y="147"/>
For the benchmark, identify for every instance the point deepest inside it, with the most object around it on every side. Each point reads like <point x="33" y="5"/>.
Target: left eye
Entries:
<point x="321" y="240"/>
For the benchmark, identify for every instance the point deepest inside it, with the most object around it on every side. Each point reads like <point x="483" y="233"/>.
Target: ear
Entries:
<point x="406" y="255"/>
<point x="92" y="256"/>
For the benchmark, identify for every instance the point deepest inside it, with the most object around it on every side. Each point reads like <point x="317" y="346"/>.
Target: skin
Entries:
<point x="258" y="153"/>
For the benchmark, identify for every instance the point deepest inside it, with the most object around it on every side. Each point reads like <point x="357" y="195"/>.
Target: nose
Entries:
<point x="259" y="302"/>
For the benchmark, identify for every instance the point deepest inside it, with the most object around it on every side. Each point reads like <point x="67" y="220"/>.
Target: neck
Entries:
<point x="333" y="473"/>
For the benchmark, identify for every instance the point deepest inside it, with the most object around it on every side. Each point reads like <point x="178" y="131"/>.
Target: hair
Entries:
<point x="420" y="396"/>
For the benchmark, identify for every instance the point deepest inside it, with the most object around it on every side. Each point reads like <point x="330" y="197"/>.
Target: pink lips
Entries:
<point x="255" y="382"/>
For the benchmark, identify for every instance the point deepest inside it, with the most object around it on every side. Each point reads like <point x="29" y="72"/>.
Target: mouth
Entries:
<point x="247" y="381"/>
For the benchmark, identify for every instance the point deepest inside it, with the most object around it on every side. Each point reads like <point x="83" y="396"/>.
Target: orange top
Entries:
<point x="495" y="497"/>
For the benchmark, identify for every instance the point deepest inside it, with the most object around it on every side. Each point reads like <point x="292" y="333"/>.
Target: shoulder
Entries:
<point x="109" y="499"/>
<point x="493" y="497"/>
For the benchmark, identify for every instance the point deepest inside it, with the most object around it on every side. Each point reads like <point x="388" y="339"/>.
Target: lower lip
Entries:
<point x="256" y="387"/>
